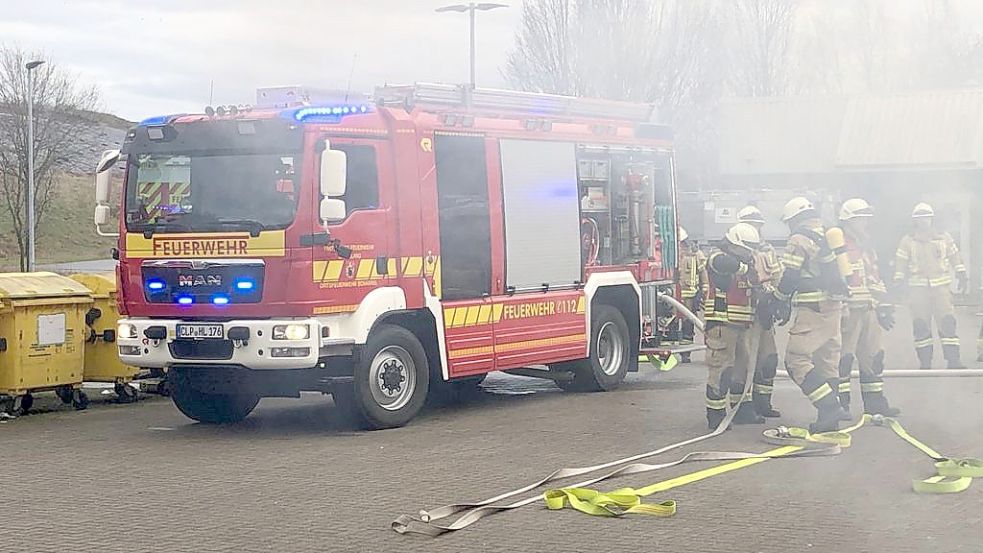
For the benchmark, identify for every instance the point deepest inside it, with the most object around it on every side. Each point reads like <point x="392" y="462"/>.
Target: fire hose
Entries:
<point x="427" y="522"/>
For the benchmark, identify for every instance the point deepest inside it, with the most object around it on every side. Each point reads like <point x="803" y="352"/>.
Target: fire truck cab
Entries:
<point x="383" y="251"/>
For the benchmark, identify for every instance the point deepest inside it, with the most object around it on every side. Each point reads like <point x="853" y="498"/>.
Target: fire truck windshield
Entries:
<point x="175" y="192"/>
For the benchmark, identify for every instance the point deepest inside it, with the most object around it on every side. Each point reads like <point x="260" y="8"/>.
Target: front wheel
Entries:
<point x="391" y="380"/>
<point x="210" y="408"/>
<point x="610" y="354"/>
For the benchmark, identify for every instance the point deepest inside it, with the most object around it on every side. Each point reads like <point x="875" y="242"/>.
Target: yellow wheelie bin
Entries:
<point x="42" y="339"/>
<point x="102" y="362"/>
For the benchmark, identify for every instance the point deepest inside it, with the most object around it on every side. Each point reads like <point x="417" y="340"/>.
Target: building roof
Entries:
<point x="911" y="131"/>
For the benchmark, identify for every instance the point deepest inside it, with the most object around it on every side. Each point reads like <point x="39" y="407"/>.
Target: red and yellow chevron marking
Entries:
<point x="333" y="309"/>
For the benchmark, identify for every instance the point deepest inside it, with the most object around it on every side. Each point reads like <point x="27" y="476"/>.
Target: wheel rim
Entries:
<point x="392" y="378"/>
<point x="610" y="349"/>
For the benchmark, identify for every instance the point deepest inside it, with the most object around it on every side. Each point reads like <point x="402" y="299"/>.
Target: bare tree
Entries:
<point x="760" y="41"/>
<point x="640" y="50"/>
<point x="59" y="108"/>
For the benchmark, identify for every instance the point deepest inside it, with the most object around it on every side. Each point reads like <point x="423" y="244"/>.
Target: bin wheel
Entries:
<point x="65" y="395"/>
<point x="26" y="402"/>
<point x="80" y="401"/>
<point x="125" y="393"/>
<point x="164" y="388"/>
<point x="7" y="405"/>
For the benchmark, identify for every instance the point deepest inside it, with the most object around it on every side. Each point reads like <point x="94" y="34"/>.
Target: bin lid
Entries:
<point x="39" y="285"/>
<point x="102" y="285"/>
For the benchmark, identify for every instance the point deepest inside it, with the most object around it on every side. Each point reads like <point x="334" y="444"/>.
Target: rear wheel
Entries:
<point x="208" y="408"/>
<point x="391" y="380"/>
<point x="610" y="354"/>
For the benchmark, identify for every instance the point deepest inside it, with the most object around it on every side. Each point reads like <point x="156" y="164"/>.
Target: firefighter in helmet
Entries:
<point x="692" y="283"/>
<point x="866" y="314"/>
<point x="812" y="285"/>
<point x="729" y="312"/>
<point x="924" y="263"/>
<point x="769" y="272"/>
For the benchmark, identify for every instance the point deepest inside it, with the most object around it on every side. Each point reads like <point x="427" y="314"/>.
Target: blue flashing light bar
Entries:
<point x="185" y="300"/>
<point x="155" y="285"/>
<point x="245" y="285"/>
<point x="324" y="114"/>
<point x="159" y="120"/>
<point x="220" y="300"/>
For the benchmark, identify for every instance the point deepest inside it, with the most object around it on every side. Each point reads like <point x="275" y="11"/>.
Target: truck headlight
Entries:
<point x="126" y="331"/>
<point x="291" y="332"/>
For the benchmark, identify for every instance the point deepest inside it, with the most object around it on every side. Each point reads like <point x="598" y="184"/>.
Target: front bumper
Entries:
<point x="259" y="351"/>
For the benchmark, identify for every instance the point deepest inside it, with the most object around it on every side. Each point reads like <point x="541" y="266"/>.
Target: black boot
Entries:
<point x="830" y="415"/>
<point x="715" y="417"/>
<point x="746" y="414"/>
<point x="762" y="405"/>
<point x="876" y="404"/>
<point x="924" y="357"/>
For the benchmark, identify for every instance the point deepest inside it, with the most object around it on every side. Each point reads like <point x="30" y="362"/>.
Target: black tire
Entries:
<point x="26" y="402"/>
<point x="210" y="408"/>
<point x="610" y="354"/>
<point x="80" y="400"/>
<point x="125" y="393"/>
<point x="387" y="392"/>
<point x="65" y="394"/>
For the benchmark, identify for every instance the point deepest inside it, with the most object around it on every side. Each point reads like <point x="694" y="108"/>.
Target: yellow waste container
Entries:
<point x="102" y="362"/>
<point x="42" y="338"/>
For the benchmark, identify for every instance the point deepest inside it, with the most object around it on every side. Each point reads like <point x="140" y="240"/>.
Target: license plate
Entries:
<point x="197" y="331"/>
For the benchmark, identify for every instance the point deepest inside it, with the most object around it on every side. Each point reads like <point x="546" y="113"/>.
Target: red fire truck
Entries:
<point x="383" y="251"/>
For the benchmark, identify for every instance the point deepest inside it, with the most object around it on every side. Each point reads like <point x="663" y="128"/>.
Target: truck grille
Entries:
<point x="201" y="349"/>
<point x="198" y="282"/>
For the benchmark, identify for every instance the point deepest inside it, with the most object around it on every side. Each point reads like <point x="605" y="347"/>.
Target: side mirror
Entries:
<point x="333" y="173"/>
<point x="101" y="215"/>
<point x="332" y="210"/>
<point x="109" y="158"/>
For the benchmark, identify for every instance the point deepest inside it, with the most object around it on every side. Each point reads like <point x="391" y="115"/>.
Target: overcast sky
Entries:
<point x="157" y="57"/>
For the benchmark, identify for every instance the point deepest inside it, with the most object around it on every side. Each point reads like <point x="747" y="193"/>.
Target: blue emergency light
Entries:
<point x="155" y="285"/>
<point x="324" y="114"/>
<point x="185" y="300"/>
<point x="245" y="285"/>
<point x="220" y="300"/>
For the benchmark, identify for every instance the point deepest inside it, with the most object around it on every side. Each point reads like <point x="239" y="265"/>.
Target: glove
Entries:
<point x="765" y="312"/>
<point x="963" y="282"/>
<point x="783" y="311"/>
<point x="885" y="316"/>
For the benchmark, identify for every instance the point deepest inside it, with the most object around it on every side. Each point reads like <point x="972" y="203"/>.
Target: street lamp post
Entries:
<point x="471" y="8"/>
<point x="31" y="237"/>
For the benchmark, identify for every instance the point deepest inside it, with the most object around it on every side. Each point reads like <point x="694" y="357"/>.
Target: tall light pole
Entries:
<point x="471" y="8"/>
<point x="31" y="237"/>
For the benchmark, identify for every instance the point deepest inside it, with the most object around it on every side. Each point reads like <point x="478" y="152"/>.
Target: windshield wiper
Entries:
<point x="252" y="226"/>
<point x="163" y="226"/>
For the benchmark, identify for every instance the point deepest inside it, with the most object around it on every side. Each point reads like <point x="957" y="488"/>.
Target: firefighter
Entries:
<point x="867" y="312"/>
<point x="769" y="269"/>
<point x="812" y="286"/>
<point x="729" y="313"/>
<point x="925" y="261"/>
<point x="692" y="284"/>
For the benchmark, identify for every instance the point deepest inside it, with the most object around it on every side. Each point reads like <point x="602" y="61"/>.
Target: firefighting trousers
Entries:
<point x="930" y="304"/>
<point x="687" y="328"/>
<point x="813" y="353"/>
<point x="728" y="348"/>
<point x="862" y="342"/>
<point x="766" y="364"/>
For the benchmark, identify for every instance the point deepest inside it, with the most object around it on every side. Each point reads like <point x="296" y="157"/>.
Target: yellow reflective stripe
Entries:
<point x="843" y="387"/>
<point x="923" y="343"/>
<point x="763" y="389"/>
<point x="949" y="341"/>
<point x="738" y="398"/>
<point x="871" y="387"/>
<point x="793" y="261"/>
<point x="717" y="404"/>
<point x="820" y="392"/>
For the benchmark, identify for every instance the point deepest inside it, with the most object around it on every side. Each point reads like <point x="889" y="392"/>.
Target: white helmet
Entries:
<point x="922" y="210"/>
<point x="795" y="207"/>
<point x="683" y="235"/>
<point x="751" y="214"/>
<point x="744" y="235"/>
<point x="855" y="207"/>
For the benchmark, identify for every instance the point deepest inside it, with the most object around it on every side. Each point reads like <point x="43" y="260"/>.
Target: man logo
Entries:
<point x="199" y="280"/>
